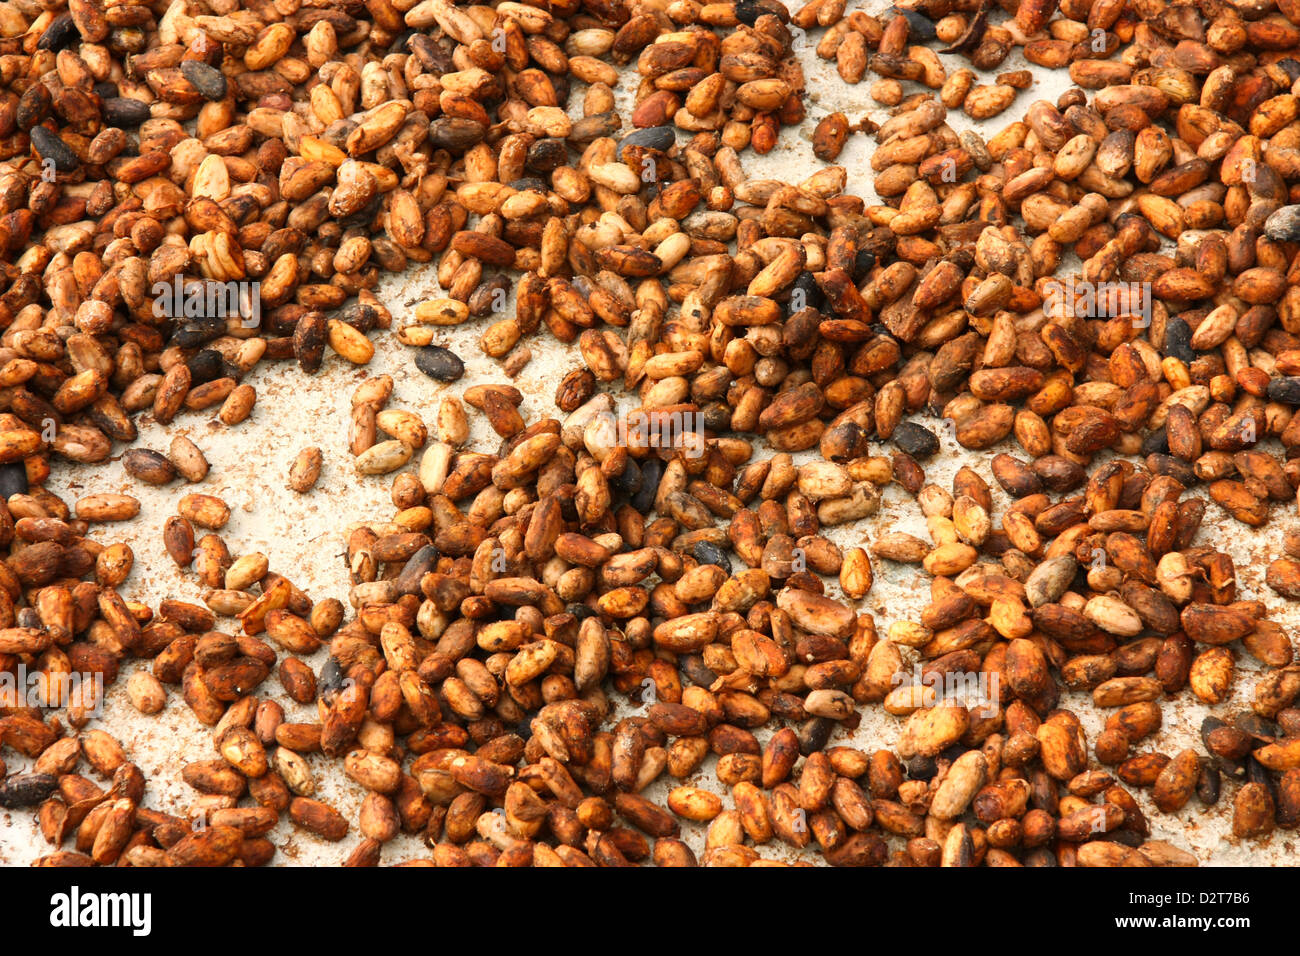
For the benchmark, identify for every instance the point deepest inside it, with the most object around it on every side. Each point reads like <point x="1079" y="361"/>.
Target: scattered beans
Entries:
<point x="523" y="597"/>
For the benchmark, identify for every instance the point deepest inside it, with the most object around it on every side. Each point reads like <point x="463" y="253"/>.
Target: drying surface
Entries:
<point x="305" y="536"/>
